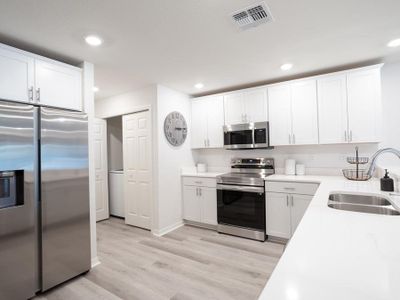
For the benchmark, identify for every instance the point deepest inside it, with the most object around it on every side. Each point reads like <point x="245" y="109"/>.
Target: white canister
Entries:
<point x="300" y="169"/>
<point x="201" y="168"/>
<point x="290" y="167"/>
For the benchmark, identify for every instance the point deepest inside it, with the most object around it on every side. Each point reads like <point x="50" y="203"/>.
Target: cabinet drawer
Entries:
<point x="200" y="181"/>
<point x="291" y="187"/>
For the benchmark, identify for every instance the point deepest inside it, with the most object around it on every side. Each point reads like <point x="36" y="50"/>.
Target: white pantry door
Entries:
<point x="100" y="149"/>
<point x="137" y="157"/>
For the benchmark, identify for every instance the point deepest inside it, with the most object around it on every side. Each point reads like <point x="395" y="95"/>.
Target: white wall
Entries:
<point x="88" y="101"/>
<point x="391" y="113"/>
<point x="170" y="160"/>
<point x="114" y="143"/>
<point x="126" y="103"/>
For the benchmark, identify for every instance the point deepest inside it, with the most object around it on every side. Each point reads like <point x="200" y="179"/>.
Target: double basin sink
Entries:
<point x="362" y="203"/>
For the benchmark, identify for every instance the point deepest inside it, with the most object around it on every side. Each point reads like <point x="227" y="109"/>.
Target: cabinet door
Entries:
<point x="332" y="109"/>
<point x="191" y="203"/>
<point x="199" y="123"/>
<point x="299" y="206"/>
<point x="16" y="76"/>
<point x="278" y="215"/>
<point x="208" y="205"/>
<point x="234" y="108"/>
<point x="304" y="113"/>
<point x="364" y="98"/>
<point x="280" y="119"/>
<point x="255" y="102"/>
<point x="215" y="122"/>
<point x="58" y="85"/>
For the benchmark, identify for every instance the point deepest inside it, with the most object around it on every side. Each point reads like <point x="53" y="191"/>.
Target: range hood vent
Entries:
<point x="252" y="16"/>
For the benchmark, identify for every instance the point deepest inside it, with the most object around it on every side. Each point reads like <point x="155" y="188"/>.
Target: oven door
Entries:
<point x="242" y="206"/>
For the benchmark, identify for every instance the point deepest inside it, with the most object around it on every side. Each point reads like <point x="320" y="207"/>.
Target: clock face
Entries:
<point x="175" y="128"/>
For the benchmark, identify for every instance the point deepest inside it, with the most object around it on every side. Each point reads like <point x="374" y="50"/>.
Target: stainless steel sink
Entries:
<point x="362" y="203"/>
<point x="381" y="210"/>
<point x="359" y="199"/>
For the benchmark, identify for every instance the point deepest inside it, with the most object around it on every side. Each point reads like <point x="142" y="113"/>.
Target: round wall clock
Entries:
<point x="175" y="128"/>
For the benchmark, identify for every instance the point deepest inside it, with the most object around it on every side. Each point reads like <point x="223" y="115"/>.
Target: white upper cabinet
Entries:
<point x="246" y="106"/>
<point x="16" y="76"/>
<point x="199" y="123"/>
<point x="215" y="122"/>
<point x="280" y="115"/>
<point x="364" y="105"/>
<point x="293" y="113"/>
<point x="207" y="122"/>
<point x="58" y="85"/>
<point x="332" y="109"/>
<point x="349" y="106"/>
<point x="255" y="104"/>
<point x="234" y="108"/>
<point x="304" y="113"/>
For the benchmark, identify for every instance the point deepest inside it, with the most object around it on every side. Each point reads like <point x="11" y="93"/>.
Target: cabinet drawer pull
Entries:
<point x="289" y="188"/>
<point x="287" y="200"/>
<point x="198" y="182"/>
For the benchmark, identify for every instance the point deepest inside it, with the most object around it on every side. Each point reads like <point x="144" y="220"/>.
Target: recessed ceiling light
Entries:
<point x="394" y="43"/>
<point x="199" y="85"/>
<point x="95" y="89"/>
<point x="286" y="67"/>
<point x="93" y="40"/>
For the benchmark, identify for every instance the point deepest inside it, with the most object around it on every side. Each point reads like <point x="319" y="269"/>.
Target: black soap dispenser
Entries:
<point x="387" y="183"/>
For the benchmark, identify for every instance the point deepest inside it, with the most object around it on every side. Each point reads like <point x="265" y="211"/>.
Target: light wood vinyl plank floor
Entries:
<point x="188" y="263"/>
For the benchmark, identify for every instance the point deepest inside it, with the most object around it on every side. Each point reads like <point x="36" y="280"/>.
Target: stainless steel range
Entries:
<point x="241" y="197"/>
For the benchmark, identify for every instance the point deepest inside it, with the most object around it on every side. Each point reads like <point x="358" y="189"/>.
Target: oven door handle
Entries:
<point x="6" y="174"/>
<point x="240" y="188"/>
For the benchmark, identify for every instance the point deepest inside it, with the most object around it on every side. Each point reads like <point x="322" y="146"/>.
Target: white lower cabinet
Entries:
<point x="191" y="204"/>
<point x="284" y="210"/>
<point x="278" y="215"/>
<point x="200" y="200"/>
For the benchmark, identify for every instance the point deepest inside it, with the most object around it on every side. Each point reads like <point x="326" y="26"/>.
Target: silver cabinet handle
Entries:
<point x="291" y="199"/>
<point x="200" y="192"/>
<point x="38" y="95"/>
<point x="198" y="182"/>
<point x="30" y="94"/>
<point x="287" y="200"/>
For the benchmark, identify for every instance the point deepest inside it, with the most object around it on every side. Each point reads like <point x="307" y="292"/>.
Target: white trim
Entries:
<point x="95" y="262"/>
<point x="168" y="229"/>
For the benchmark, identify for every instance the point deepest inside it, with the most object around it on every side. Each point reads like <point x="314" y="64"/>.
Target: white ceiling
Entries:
<point x="178" y="43"/>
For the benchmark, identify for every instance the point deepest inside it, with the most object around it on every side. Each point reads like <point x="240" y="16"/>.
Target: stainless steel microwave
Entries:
<point x="246" y="136"/>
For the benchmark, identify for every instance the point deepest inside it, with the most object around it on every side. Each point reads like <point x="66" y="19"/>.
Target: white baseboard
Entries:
<point x="95" y="261"/>
<point x="167" y="229"/>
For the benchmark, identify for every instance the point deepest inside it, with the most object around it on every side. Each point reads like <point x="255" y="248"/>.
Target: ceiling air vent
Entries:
<point x="252" y="16"/>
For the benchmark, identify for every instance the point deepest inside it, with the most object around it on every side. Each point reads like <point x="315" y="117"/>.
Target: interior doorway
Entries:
<point x="123" y="146"/>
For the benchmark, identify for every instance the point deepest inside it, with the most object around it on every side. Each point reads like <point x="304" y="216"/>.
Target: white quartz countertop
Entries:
<point x="337" y="254"/>
<point x="197" y="174"/>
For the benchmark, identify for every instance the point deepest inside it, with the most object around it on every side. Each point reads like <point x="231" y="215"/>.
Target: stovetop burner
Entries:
<point x="248" y="171"/>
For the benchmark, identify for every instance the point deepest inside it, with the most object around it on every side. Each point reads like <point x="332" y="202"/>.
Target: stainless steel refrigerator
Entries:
<point x="44" y="198"/>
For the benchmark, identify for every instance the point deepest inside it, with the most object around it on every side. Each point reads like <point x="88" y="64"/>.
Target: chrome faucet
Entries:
<point x="377" y="154"/>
